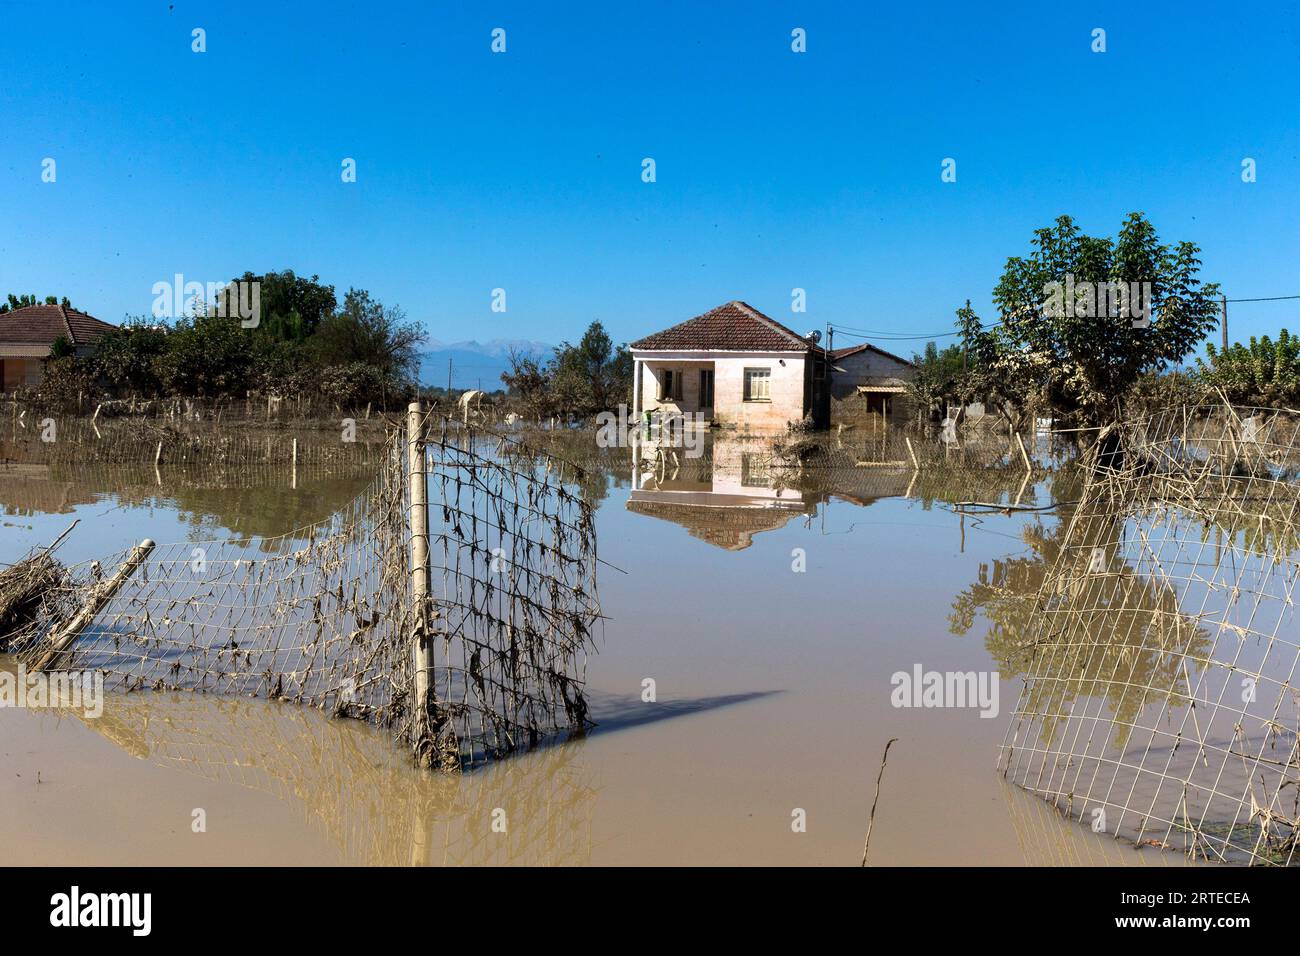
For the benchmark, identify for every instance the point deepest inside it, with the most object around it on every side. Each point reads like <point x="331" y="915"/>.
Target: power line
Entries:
<point x="896" y="337"/>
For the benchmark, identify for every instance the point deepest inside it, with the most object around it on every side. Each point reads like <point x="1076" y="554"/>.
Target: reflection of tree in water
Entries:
<point x="364" y="795"/>
<point x="1004" y="594"/>
<point x="599" y="469"/>
<point x="1101" y="629"/>
<point x="849" y="466"/>
<point x="249" y="502"/>
<point x="253" y="499"/>
<point x="1159" y="653"/>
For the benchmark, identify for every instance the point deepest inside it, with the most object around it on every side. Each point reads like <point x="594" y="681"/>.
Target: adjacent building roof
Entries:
<point x="732" y="327"/>
<point x="31" y="331"/>
<point x="866" y="347"/>
<point x="882" y="385"/>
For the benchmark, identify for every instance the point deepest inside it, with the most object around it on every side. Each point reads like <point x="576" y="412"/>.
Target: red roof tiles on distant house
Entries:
<point x="32" y="330"/>
<point x="733" y="327"/>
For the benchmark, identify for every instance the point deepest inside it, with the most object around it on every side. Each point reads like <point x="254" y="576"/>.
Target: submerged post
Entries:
<point x="1023" y="453"/>
<point x="419" y="567"/>
<point x="99" y="596"/>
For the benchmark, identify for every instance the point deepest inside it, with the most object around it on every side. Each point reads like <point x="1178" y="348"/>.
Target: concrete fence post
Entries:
<point x="416" y="470"/>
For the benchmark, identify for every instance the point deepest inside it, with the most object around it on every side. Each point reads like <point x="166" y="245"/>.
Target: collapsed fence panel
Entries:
<point x="1161" y="703"/>
<point x="328" y="616"/>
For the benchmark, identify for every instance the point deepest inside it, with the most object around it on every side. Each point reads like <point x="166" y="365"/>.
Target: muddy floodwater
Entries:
<point x="769" y="614"/>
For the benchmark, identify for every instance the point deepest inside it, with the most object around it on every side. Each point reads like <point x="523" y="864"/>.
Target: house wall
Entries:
<point x="788" y="388"/>
<point x="788" y="392"/>
<point x="849" y="408"/>
<point x="858" y="368"/>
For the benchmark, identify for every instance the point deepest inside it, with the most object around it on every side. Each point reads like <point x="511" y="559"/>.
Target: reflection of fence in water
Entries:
<point x="364" y="796"/>
<point x="1160" y="702"/>
<point x="1046" y="837"/>
<point x="78" y="441"/>
<point x="328" y="616"/>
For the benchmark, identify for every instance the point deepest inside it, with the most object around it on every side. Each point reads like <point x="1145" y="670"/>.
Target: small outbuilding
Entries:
<point x="867" y="381"/>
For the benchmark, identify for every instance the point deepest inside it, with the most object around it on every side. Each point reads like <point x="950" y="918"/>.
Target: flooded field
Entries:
<point x="767" y="595"/>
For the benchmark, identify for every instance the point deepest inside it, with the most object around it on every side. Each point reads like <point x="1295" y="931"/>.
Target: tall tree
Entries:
<point x="292" y="307"/>
<point x="366" y="331"/>
<point x="592" y="376"/>
<point x="1082" y="317"/>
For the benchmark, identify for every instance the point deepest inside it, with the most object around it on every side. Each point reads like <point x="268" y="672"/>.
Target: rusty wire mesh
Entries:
<point x="1160" y="704"/>
<point x="325" y="616"/>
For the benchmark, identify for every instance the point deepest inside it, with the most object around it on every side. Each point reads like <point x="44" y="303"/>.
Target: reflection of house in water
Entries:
<point x="866" y="486"/>
<point x="724" y="498"/>
<point x="739" y="487"/>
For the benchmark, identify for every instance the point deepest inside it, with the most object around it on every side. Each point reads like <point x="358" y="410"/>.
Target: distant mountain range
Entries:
<point x="474" y="364"/>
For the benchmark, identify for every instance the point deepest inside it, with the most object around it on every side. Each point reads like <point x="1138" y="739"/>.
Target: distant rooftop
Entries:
<point x="35" y="327"/>
<point x="866" y="347"/>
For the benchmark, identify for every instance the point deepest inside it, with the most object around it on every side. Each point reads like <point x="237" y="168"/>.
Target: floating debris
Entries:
<point x="23" y="586"/>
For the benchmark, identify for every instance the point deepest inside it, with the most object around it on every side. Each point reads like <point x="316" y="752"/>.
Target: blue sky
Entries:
<point x="522" y="170"/>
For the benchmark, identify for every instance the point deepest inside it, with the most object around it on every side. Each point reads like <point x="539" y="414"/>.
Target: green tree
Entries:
<point x="291" y="307"/>
<point x="367" y="332"/>
<point x="592" y="376"/>
<point x="61" y="347"/>
<point x="22" y="301"/>
<point x="937" y="377"/>
<point x="207" y="356"/>
<point x="1067" y="310"/>
<point x="128" y="358"/>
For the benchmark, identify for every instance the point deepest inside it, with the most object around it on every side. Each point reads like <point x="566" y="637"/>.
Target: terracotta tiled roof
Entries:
<point x="733" y="327"/>
<point x="866" y="347"/>
<point x="42" y="324"/>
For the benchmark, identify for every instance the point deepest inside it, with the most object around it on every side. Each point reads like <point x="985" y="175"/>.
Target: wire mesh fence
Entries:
<point x="1160" y="703"/>
<point x="485" y="656"/>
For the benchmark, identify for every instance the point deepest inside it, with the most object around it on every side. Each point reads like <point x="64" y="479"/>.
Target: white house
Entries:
<point x="732" y="366"/>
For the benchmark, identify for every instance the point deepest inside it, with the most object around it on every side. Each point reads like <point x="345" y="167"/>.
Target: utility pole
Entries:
<point x="1223" y="303"/>
<point x="448" y="379"/>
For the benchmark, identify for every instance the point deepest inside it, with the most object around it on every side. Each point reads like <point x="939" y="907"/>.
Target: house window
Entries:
<point x="758" y="384"/>
<point x="670" y="385"/>
<point x="706" y="388"/>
